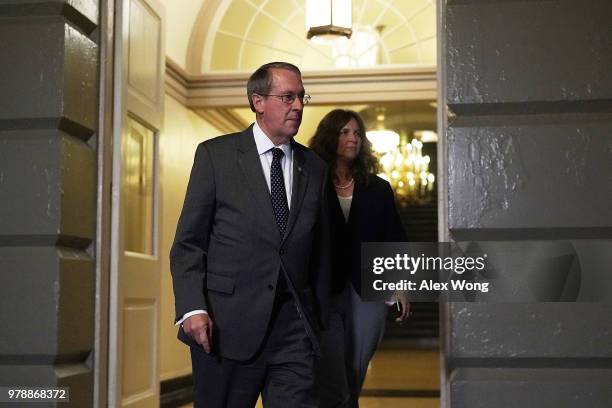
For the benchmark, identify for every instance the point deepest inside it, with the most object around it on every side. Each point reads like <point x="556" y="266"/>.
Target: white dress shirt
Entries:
<point x="264" y="149"/>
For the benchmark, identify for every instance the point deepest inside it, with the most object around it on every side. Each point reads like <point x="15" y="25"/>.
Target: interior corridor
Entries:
<point x="400" y="375"/>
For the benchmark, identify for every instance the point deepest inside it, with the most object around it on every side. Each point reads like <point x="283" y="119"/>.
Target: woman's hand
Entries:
<point x="403" y="305"/>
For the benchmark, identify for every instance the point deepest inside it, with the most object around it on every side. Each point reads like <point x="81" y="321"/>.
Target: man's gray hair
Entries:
<point x="260" y="81"/>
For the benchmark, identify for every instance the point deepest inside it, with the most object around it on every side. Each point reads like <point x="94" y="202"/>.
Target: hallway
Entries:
<point x="400" y="377"/>
<point x="403" y="377"/>
<point x="105" y="102"/>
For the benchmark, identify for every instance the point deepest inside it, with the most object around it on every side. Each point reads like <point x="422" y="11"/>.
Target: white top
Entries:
<point x="345" y="205"/>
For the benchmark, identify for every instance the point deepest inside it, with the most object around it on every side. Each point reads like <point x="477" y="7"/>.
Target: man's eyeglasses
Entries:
<point x="290" y="98"/>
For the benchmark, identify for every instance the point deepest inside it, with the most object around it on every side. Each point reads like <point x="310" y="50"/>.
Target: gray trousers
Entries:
<point x="347" y="346"/>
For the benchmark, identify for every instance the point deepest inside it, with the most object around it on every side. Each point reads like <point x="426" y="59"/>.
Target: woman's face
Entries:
<point x="349" y="142"/>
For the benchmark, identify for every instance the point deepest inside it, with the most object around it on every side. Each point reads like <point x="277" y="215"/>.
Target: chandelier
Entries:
<point x="328" y="19"/>
<point x="402" y="163"/>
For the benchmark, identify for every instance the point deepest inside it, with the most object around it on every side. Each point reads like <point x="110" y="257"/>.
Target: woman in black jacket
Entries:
<point x="362" y="209"/>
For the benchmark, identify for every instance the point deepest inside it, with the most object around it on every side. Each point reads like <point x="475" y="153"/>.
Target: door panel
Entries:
<point x="135" y="283"/>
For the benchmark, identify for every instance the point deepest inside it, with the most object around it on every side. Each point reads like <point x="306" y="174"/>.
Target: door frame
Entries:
<point x="105" y="171"/>
<point x="125" y="106"/>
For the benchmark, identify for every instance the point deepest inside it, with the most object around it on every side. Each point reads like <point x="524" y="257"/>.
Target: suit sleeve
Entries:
<point x="322" y="256"/>
<point x="189" y="250"/>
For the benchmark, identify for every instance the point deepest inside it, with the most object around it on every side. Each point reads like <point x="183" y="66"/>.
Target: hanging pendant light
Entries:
<point x="383" y="140"/>
<point x="402" y="162"/>
<point x="328" y="19"/>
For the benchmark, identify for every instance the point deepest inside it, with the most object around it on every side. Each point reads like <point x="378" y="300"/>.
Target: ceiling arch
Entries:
<point x="240" y="35"/>
<point x="202" y="32"/>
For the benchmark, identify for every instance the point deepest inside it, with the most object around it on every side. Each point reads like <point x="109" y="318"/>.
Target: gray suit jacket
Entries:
<point x="228" y="252"/>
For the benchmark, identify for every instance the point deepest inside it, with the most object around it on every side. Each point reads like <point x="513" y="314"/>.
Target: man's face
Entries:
<point x="279" y="120"/>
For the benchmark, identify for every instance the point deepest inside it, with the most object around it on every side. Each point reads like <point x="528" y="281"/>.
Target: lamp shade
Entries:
<point x="328" y="18"/>
<point x="383" y="140"/>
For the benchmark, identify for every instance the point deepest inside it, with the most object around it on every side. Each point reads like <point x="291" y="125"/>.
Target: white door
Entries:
<point x="135" y="275"/>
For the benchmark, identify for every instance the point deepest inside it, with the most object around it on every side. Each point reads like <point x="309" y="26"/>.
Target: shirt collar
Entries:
<point x="264" y="144"/>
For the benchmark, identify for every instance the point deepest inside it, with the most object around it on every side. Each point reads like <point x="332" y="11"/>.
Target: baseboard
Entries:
<point x="176" y="392"/>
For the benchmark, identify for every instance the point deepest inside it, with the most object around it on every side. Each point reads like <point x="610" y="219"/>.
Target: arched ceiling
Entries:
<point x="240" y="35"/>
<point x="252" y="32"/>
<point x="214" y="36"/>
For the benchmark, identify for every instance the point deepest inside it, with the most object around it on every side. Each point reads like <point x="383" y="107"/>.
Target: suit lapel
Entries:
<point x="354" y="203"/>
<point x="300" y="181"/>
<point x="250" y="164"/>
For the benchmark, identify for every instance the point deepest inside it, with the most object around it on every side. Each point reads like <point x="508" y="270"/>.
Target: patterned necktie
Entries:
<point x="278" y="192"/>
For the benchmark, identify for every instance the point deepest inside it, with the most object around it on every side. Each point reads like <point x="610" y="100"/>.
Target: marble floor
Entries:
<point x="400" y="377"/>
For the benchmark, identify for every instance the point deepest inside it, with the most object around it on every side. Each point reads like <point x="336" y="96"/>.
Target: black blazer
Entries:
<point x="228" y="252"/>
<point x="373" y="218"/>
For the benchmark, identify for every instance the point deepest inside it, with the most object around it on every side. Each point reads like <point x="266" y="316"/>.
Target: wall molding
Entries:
<point x="177" y="81"/>
<point x="385" y="84"/>
<point x="224" y="119"/>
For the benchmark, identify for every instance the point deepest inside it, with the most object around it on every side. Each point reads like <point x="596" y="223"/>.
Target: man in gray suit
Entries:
<point x="250" y="262"/>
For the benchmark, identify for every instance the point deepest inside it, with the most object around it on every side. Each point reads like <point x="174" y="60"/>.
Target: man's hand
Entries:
<point x="199" y="328"/>
<point x="402" y="301"/>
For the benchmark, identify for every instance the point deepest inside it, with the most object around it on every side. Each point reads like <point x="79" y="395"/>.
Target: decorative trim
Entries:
<point x="372" y="85"/>
<point x="385" y="84"/>
<point x="225" y="120"/>
<point x="177" y="81"/>
<point x="202" y="26"/>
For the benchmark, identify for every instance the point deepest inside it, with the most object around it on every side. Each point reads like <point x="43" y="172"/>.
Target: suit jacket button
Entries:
<point x="271" y="287"/>
<point x="282" y="251"/>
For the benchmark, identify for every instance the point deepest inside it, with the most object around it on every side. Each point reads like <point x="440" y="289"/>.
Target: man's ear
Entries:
<point x="258" y="102"/>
